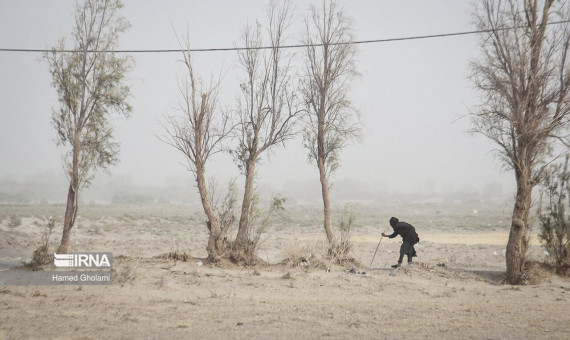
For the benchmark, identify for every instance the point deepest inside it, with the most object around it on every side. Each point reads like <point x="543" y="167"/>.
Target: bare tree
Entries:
<point x="267" y="109"/>
<point x="523" y="77"/>
<point x="90" y="84"/>
<point x="198" y="131"/>
<point x="332" y="120"/>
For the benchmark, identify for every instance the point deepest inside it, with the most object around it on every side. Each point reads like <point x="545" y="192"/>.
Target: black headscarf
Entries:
<point x="394" y="221"/>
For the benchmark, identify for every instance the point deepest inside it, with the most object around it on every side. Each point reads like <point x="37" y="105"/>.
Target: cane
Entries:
<point x="378" y="246"/>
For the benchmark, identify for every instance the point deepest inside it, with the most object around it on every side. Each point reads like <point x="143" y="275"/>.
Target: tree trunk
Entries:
<point x="321" y="160"/>
<point x="71" y="206"/>
<point x="70" y="212"/>
<point x="241" y="237"/>
<point x="326" y="201"/>
<point x="517" y="246"/>
<point x="215" y="240"/>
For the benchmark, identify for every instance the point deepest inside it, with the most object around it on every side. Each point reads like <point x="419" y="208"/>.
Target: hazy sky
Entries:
<point x="410" y="93"/>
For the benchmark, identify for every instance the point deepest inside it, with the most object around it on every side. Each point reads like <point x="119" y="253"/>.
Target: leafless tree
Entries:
<point x="90" y="84"/>
<point x="524" y="80"/>
<point x="332" y="120"/>
<point x="267" y="108"/>
<point x="198" y="131"/>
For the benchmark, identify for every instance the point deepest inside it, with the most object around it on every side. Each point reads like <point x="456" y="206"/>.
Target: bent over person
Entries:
<point x="409" y="238"/>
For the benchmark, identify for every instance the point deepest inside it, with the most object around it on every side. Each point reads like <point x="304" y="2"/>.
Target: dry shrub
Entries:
<point x="176" y="253"/>
<point x="177" y="256"/>
<point x="310" y="254"/>
<point x="40" y="259"/>
<point x="245" y="257"/>
<point x="340" y="251"/>
<point x="537" y="272"/>
<point x="244" y="252"/>
<point x="124" y="269"/>
<point x="42" y="255"/>
<point x="321" y="254"/>
<point x="563" y="269"/>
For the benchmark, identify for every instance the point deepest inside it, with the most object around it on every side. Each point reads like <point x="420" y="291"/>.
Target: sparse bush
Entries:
<point x="42" y="255"/>
<point x="177" y="254"/>
<point x="555" y="226"/>
<point x="40" y="258"/>
<point x="258" y="223"/>
<point x="124" y="269"/>
<point x="340" y="250"/>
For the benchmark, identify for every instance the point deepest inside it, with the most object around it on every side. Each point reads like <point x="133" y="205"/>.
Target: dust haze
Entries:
<point x="412" y="96"/>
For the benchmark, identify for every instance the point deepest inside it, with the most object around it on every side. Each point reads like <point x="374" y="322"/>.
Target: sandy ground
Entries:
<point x="154" y="298"/>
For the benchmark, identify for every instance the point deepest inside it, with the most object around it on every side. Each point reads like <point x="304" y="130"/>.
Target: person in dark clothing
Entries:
<point x="409" y="238"/>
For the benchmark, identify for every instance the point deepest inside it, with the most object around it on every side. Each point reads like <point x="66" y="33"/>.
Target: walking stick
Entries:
<point x="378" y="246"/>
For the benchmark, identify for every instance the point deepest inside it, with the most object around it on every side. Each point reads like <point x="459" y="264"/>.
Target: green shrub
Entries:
<point x="554" y="223"/>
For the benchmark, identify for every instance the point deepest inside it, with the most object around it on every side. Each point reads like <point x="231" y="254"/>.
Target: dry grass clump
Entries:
<point x="321" y="254"/>
<point x="309" y="254"/>
<point x="341" y="251"/>
<point x="176" y="256"/>
<point x="318" y="254"/>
